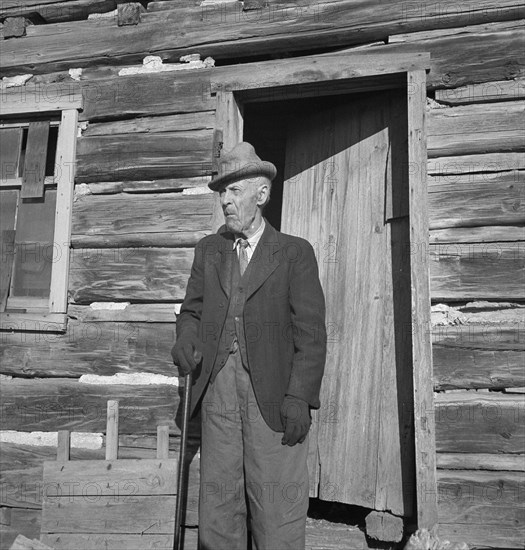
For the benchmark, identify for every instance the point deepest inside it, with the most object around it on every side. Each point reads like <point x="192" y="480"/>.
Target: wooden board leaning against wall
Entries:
<point x="476" y="218"/>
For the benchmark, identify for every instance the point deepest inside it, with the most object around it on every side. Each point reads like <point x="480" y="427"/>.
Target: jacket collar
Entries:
<point x="263" y="262"/>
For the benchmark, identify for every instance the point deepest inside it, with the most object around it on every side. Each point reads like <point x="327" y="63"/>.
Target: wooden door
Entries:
<point x="346" y="191"/>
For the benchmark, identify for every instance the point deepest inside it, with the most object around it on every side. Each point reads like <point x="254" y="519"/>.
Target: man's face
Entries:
<point x="240" y="202"/>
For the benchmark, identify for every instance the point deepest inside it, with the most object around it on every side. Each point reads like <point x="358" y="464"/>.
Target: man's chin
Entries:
<point x="232" y="225"/>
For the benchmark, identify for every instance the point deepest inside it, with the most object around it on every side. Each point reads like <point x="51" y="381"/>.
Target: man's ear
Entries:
<point x="263" y="192"/>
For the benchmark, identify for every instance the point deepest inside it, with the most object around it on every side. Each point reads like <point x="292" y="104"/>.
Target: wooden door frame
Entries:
<point x="330" y="74"/>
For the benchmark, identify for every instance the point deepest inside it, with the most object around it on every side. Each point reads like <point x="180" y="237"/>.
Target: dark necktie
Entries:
<point x="243" y="255"/>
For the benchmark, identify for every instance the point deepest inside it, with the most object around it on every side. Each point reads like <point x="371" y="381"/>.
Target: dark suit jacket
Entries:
<point x="284" y="317"/>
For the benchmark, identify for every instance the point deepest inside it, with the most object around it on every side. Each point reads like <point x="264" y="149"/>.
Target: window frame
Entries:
<point x="27" y="101"/>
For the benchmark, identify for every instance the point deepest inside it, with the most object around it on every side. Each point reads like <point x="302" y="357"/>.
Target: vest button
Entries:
<point x="221" y="304"/>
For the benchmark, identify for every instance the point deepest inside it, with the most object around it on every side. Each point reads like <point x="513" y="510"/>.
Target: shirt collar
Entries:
<point x="254" y="239"/>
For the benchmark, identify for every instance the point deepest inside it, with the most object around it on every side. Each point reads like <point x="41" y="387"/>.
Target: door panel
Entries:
<point x="345" y="178"/>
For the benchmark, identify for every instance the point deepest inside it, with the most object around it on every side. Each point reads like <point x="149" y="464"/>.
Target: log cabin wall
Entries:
<point x="144" y="157"/>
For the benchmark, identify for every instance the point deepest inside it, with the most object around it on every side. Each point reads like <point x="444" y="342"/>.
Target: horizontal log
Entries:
<point x="489" y="234"/>
<point x="480" y="461"/>
<point x="476" y="271"/>
<point x="473" y="164"/>
<point x="153" y="186"/>
<point x="483" y="536"/>
<point x="488" y="92"/>
<point x="53" y="11"/>
<point x="184" y="122"/>
<point x="129" y="274"/>
<point x="226" y="31"/>
<point x="481" y="498"/>
<point x="62" y="404"/>
<point x="168" y="219"/>
<point x="132" y="313"/>
<point x="101" y="348"/>
<point x="153" y="156"/>
<point x="476" y="357"/>
<point x="470" y="129"/>
<point x="478" y="422"/>
<point x="490" y="199"/>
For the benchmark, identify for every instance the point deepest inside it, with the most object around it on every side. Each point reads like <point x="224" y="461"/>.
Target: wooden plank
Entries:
<point x="483" y="536"/>
<point x="489" y="199"/>
<point x="183" y="122"/>
<point x="7" y="242"/>
<point x="58" y="404"/>
<point x="163" y="440"/>
<point x="478" y="357"/>
<point x="167" y="219"/>
<point x="470" y="129"/>
<point x="33" y="322"/>
<point x="482" y="498"/>
<point x="476" y="422"/>
<point x="489" y="162"/>
<point x="226" y="32"/>
<point x="424" y="430"/>
<point x="23" y="543"/>
<point x="150" y="94"/>
<point x="145" y="541"/>
<point x="33" y="98"/>
<point x="476" y="271"/>
<point x="65" y="176"/>
<point x="154" y="156"/>
<point x="122" y="479"/>
<point x="103" y="348"/>
<point x="502" y="90"/>
<point x="112" y="430"/>
<point x="153" y="186"/>
<point x="107" y="514"/>
<point x="35" y="160"/>
<point x="10" y="143"/>
<point x="490" y="234"/>
<point x="136" y="274"/>
<point x="63" y="445"/>
<point x="480" y="461"/>
<point x="26" y="522"/>
<point x="136" y="313"/>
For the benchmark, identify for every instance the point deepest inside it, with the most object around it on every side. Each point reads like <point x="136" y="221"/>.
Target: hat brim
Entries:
<point x="262" y="168"/>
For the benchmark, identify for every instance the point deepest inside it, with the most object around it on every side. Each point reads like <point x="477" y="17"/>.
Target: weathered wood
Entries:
<point x="36" y="98"/>
<point x="489" y="162"/>
<point x="102" y="348"/>
<point x="478" y="357"/>
<point x="112" y="430"/>
<point x="153" y="156"/>
<point x="65" y="176"/>
<point x="423" y="402"/>
<point x="35" y="160"/>
<point x="483" y="536"/>
<point x="136" y="313"/>
<point x="384" y="526"/>
<point x="184" y="122"/>
<point x="470" y="129"/>
<point x="10" y="142"/>
<point x="502" y="90"/>
<point x="163" y="440"/>
<point x="55" y="11"/>
<point x="137" y="274"/>
<point x="489" y="234"/>
<point x="142" y="95"/>
<point x="168" y="219"/>
<point x="23" y="543"/>
<point x="63" y="445"/>
<point x="33" y="322"/>
<point x="473" y="422"/>
<point x="30" y="405"/>
<point x="129" y="13"/>
<point x="228" y="32"/>
<point x="476" y="271"/>
<point x="155" y="186"/>
<point x="480" y="461"/>
<point x="22" y="521"/>
<point x="482" y="498"/>
<point x="489" y="199"/>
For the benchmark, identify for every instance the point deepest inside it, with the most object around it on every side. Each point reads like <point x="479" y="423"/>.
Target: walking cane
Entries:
<point x="181" y="486"/>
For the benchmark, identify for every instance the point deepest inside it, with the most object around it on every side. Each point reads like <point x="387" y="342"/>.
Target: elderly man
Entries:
<point x="252" y="327"/>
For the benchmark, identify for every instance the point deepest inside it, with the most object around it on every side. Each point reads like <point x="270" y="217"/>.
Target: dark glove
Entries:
<point x="295" y="414"/>
<point x="186" y="353"/>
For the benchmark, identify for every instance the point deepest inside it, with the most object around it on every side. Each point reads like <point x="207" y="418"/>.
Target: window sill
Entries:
<point x="33" y="322"/>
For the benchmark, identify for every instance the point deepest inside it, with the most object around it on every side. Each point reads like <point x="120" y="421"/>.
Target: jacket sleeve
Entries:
<point x="190" y="313"/>
<point x="307" y="305"/>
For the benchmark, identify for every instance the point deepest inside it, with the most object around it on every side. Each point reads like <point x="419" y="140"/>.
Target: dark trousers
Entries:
<point x="245" y="470"/>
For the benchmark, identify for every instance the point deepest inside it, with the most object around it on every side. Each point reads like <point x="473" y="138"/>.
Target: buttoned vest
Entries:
<point x="233" y="328"/>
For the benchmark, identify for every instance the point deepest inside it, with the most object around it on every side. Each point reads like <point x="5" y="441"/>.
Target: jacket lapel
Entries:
<point x="225" y="265"/>
<point x="264" y="260"/>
